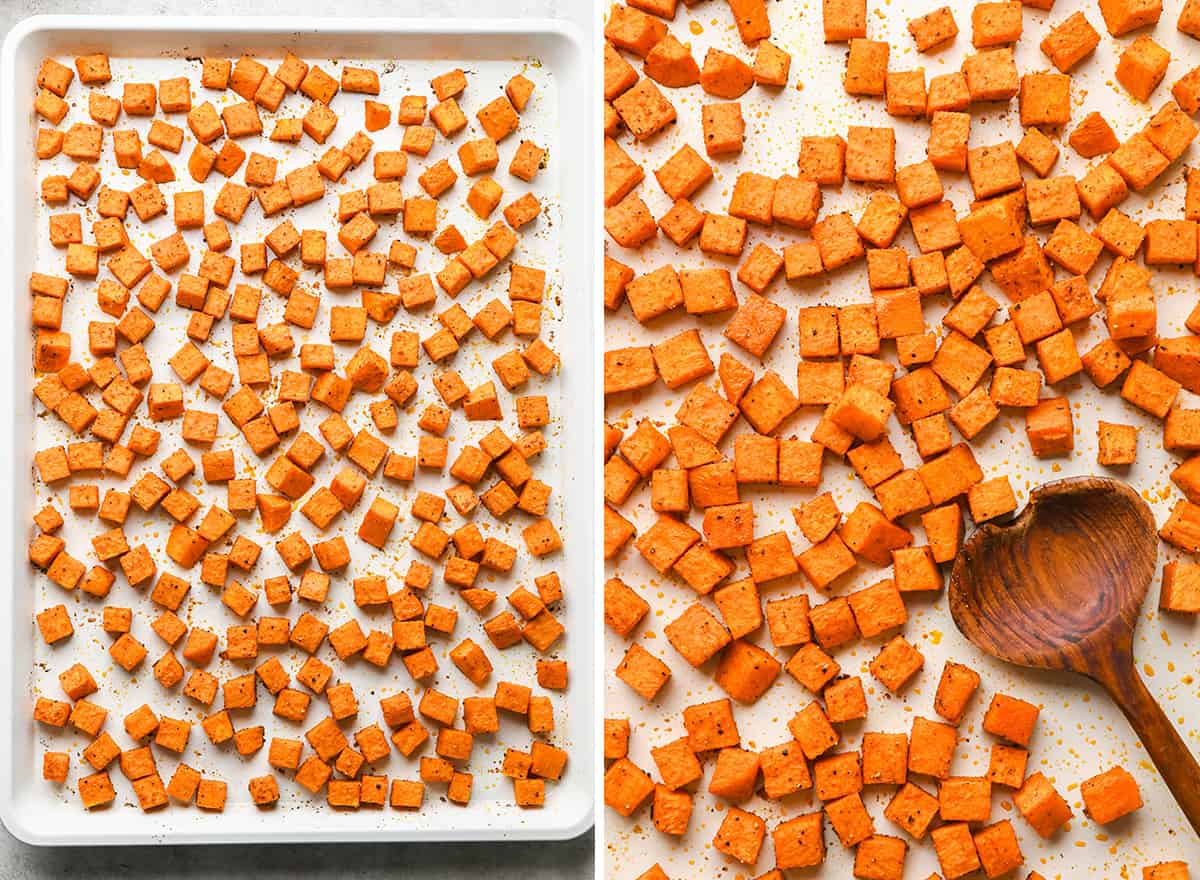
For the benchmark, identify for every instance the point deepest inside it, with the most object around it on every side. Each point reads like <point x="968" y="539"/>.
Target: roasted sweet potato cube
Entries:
<point x="931" y="748"/>
<point x="1041" y="805"/>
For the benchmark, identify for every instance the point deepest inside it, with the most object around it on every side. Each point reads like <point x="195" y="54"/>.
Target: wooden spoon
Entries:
<point x="1061" y="587"/>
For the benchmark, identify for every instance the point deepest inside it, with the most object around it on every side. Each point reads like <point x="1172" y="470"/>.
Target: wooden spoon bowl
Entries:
<point x="1061" y="587"/>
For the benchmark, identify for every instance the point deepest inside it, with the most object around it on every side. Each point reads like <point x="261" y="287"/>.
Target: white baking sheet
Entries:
<point x="1079" y="732"/>
<point x="406" y="54"/>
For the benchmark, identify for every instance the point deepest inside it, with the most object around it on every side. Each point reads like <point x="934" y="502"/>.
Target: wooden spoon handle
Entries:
<point x="1162" y="741"/>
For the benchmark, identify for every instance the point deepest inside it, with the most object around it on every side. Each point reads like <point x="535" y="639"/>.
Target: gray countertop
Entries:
<point x="527" y="861"/>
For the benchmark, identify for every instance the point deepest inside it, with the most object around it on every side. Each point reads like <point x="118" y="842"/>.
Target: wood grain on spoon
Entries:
<point x="1061" y="587"/>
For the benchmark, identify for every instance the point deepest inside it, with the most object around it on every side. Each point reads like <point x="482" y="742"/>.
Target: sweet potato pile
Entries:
<point x="277" y="402"/>
<point x="970" y="328"/>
